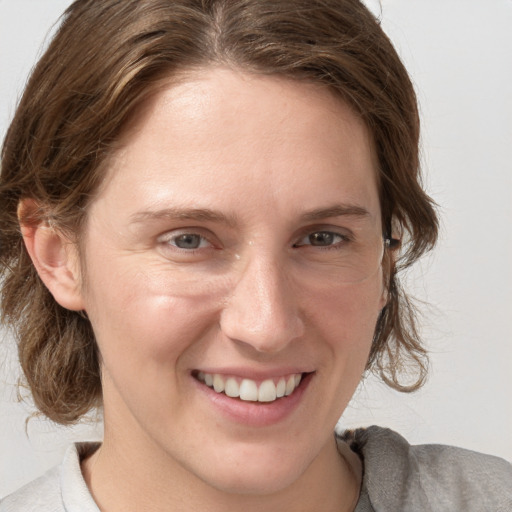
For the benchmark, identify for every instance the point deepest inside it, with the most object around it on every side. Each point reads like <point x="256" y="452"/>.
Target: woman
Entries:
<point x="204" y="208"/>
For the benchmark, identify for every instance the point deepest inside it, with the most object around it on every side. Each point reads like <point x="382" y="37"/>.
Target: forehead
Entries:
<point x="219" y="133"/>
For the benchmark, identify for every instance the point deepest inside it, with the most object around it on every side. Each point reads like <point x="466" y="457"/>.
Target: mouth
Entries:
<point x="249" y="390"/>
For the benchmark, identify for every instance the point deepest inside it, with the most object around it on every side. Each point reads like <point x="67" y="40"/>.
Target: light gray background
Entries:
<point x="460" y="55"/>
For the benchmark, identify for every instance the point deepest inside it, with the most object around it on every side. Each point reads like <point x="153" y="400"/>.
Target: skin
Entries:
<point x="254" y="298"/>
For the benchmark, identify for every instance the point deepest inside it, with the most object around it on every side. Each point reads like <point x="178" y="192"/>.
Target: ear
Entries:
<point x="54" y="256"/>
<point x="384" y="296"/>
<point x="391" y="248"/>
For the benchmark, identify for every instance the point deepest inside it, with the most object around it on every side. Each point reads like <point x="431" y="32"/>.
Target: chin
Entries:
<point x="252" y="472"/>
<point x="255" y="481"/>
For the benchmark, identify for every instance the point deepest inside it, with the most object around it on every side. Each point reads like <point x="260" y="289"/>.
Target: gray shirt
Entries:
<point x="397" y="477"/>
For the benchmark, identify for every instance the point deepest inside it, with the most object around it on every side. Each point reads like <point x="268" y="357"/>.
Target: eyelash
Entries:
<point x="169" y="239"/>
<point x="343" y="239"/>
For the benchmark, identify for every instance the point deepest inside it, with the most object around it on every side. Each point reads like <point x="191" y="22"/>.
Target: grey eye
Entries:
<point x="188" y="241"/>
<point x="322" y="238"/>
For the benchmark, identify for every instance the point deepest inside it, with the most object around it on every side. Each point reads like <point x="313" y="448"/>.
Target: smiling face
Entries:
<point x="235" y="244"/>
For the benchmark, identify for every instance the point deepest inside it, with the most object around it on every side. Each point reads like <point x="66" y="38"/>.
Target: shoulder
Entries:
<point x="42" y="494"/>
<point x="399" y="476"/>
<point x="61" y="489"/>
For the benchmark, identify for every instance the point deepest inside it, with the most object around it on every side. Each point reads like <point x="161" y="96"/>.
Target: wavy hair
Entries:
<point x="105" y="59"/>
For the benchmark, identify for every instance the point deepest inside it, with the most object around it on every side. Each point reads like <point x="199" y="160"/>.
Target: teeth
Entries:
<point x="232" y="388"/>
<point x="248" y="389"/>
<point x="267" y="391"/>
<point x="290" y="385"/>
<point x="281" y="388"/>
<point x="218" y="383"/>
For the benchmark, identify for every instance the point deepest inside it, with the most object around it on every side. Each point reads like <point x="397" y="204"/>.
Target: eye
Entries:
<point x="322" y="239"/>
<point x="189" y="241"/>
<point x="185" y="241"/>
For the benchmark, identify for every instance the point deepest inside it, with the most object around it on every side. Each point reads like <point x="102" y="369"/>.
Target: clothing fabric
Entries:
<point x="397" y="477"/>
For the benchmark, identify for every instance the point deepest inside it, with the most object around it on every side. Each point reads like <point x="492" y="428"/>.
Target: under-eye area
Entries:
<point x="265" y="391"/>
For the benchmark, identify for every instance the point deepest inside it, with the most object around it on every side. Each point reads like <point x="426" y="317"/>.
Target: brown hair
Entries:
<point x="105" y="59"/>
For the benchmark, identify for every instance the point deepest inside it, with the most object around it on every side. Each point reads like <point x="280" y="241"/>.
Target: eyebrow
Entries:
<point x="338" y="210"/>
<point x="205" y="214"/>
<point x="197" y="214"/>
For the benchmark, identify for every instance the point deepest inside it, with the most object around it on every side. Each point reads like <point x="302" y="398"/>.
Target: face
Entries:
<point x="235" y="244"/>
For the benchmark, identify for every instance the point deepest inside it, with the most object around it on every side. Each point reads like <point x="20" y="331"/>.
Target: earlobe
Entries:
<point x="55" y="258"/>
<point x="384" y="298"/>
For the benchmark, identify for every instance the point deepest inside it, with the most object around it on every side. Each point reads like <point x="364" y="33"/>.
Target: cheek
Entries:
<point x="147" y="316"/>
<point x="344" y="319"/>
<point x="143" y="331"/>
<point x="347" y="313"/>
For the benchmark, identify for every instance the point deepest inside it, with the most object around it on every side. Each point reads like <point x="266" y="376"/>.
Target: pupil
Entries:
<point x="188" y="241"/>
<point x="321" y="238"/>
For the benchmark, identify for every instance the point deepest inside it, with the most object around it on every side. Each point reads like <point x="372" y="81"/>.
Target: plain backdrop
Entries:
<point x="459" y="53"/>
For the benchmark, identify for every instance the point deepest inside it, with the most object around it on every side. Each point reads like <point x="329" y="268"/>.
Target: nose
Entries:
<point x="262" y="309"/>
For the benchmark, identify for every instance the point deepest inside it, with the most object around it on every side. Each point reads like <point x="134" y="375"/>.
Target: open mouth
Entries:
<point x="249" y="390"/>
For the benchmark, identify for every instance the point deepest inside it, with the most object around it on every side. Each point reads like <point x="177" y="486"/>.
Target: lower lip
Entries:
<point x="255" y="414"/>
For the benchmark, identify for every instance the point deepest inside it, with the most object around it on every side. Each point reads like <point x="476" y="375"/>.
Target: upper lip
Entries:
<point x="252" y="373"/>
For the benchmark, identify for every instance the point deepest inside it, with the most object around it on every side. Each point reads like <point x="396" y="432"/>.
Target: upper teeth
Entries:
<point x="248" y="389"/>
